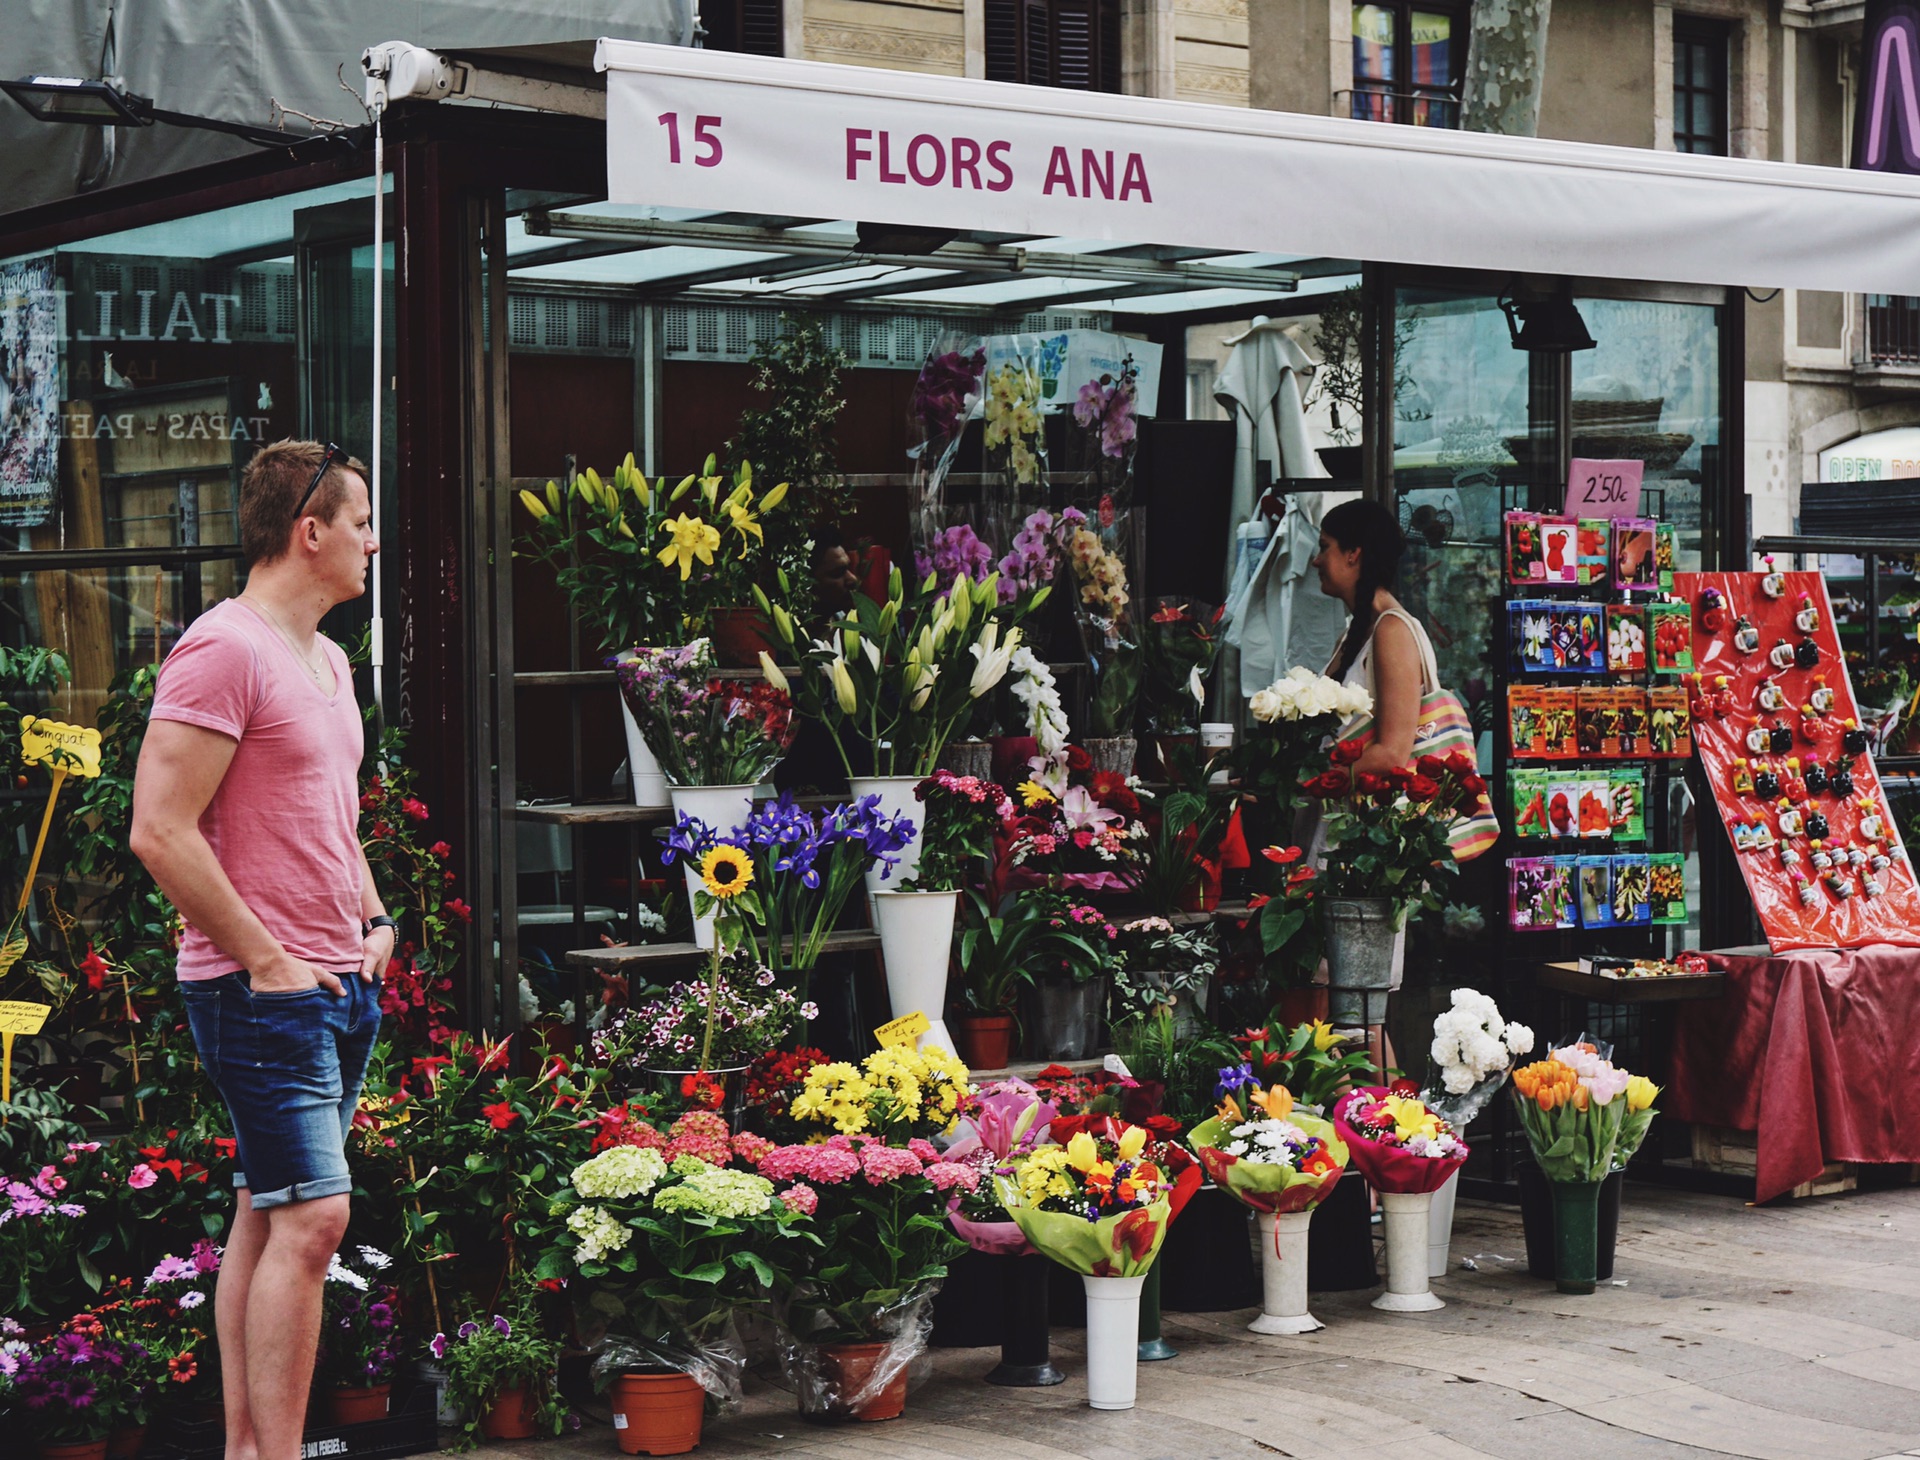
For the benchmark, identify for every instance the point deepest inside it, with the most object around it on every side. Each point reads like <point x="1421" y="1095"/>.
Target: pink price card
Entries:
<point x="1604" y="488"/>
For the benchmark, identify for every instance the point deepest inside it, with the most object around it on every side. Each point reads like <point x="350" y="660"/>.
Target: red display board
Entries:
<point x="1796" y="615"/>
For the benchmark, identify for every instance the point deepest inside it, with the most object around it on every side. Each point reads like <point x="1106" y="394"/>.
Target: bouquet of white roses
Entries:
<point x="1291" y="722"/>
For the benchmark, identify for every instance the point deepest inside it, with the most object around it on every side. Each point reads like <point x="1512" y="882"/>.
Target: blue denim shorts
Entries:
<point x="289" y="1066"/>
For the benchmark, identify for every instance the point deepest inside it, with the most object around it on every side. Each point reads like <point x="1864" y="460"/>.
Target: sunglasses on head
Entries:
<point x="334" y="453"/>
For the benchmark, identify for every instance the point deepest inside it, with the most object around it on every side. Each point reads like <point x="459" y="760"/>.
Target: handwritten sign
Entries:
<point x="1604" y="488"/>
<point x="74" y="749"/>
<point x="16" y="1018"/>
<point x="904" y="1031"/>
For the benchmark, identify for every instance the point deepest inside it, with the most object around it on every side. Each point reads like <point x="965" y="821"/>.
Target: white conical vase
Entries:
<point x="1283" y="1275"/>
<point x="1113" y="1340"/>
<point x="916" y="939"/>
<point x="1405" y="1218"/>
<point x="644" y="776"/>
<point x="722" y="808"/>
<point x="1440" y="1224"/>
<point x="896" y="799"/>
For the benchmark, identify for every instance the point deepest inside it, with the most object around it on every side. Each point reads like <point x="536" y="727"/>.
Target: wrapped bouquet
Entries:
<point x="1583" y="1115"/>
<point x="1097" y="1205"/>
<point x="705" y="731"/>
<point x="1400" y="1145"/>
<point x="1273" y="1156"/>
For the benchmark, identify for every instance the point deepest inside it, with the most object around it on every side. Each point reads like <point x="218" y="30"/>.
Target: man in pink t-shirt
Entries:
<point x="245" y="810"/>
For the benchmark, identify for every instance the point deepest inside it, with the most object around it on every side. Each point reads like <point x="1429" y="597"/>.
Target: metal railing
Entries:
<point x="1421" y="107"/>
<point x="1893" y="329"/>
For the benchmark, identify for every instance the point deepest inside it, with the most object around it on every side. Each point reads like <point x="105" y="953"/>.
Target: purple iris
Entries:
<point x="1231" y="1078"/>
<point x="690" y="837"/>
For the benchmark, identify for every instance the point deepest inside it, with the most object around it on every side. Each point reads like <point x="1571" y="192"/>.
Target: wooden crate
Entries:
<point x="1736" y="1153"/>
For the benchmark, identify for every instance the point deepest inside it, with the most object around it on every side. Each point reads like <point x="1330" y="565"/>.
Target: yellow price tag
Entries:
<point x="74" y="749"/>
<point x="16" y="1018"/>
<point x="906" y="1030"/>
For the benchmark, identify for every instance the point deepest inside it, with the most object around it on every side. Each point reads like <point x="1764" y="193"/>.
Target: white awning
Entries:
<point x="729" y="133"/>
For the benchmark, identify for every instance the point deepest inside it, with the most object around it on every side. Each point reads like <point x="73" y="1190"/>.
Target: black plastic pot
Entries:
<point x="1340" y="1248"/>
<point x="969" y="1310"/>
<point x="1206" y="1263"/>
<point x="1536" y="1217"/>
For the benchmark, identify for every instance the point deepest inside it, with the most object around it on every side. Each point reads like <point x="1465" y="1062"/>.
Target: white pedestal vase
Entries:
<point x="1113" y="1340"/>
<point x="1405" y="1219"/>
<point x="896" y="799"/>
<point x="1283" y="1275"/>
<point x="916" y="940"/>
<point x="644" y="777"/>
<point x="722" y="808"/>
<point x="1440" y="1226"/>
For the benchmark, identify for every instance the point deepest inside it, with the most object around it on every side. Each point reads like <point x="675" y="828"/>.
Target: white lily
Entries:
<point x="990" y="665"/>
<point x="920" y="680"/>
<point x="772" y="673"/>
<point x="1195" y="687"/>
<point x="873" y="653"/>
<point x="842" y="686"/>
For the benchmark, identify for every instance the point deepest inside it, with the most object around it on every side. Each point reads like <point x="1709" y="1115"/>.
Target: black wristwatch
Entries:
<point x="383" y="921"/>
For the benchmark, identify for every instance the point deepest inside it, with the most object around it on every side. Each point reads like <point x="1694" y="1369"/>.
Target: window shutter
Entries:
<point x="1075" y="60"/>
<point x="1037" y="62"/>
<point x="761" y="31"/>
<point x="1003" y="40"/>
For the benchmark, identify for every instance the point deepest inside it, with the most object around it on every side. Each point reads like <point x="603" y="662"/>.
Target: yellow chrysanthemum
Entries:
<point x="726" y="871"/>
<point x="1034" y="794"/>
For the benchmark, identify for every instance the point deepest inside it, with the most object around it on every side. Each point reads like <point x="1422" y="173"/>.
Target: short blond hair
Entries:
<point x="271" y="486"/>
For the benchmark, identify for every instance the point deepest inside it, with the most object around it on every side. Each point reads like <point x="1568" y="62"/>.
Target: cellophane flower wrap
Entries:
<point x="1096" y="1205"/>
<point x="1272" y="1156"/>
<point x="703" y="730"/>
<point x="1400" y="1146"/>
<point x="1472" y="1052"/>
<point x="1007" y="1122"/>
<point x="1578" y="1111"/>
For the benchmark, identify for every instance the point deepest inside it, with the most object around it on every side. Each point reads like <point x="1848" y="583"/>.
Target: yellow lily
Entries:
<point x="553" y="497"/>
<point x="710" y="482"/>
<point x="692" y="538"/>
<point x="744" y="523"/>
<point x="680" y="491"/>
<point x="774" y="498"/>
<point x="771" y="672"/>
<point x="534" y="505"/>
<point x="625" y="530"/>
<point x="1276" y="1100"/>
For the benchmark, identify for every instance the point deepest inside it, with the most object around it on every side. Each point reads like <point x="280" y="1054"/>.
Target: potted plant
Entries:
<point x="899" y="677"/>
<point x="1181" y="640"/>
<point x="878" y="1192"/>
<point x="1162" y="966"/>
<point x="993" y="950"/>
<point x="501" y="1373"/>
<point x="665" y="1235"/>
<point x="359" y="1337"/>
<point x="1075" y="828"/>
<point x="1075" y="958"/>
<point x="960" y="815"/>
<point x="71" y="1390"/>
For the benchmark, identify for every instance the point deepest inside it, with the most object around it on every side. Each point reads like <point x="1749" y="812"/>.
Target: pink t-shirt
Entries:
<point x="284" y="824"/>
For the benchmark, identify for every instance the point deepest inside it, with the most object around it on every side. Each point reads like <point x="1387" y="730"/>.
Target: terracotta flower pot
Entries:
<point x="125" y="1442"/>
<point x="361" y="1406"/>
<point x="846" y="1370"/>
<point x="739" y="634"/>
<point x="508" y="1416"/>
<point x="986" y="1040"/>
<point x="77" y="1450"/>
<point x="656" y="1414"/>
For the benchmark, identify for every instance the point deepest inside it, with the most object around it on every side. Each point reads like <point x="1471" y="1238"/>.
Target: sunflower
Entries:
<point x="726" y="870"/>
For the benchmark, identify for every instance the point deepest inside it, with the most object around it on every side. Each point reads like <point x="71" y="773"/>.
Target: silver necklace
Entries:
<point x="293" y="644"/>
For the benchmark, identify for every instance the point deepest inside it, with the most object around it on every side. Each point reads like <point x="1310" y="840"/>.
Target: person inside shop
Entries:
<point x="1385" y="650"/>
<point x="813" y="763"/>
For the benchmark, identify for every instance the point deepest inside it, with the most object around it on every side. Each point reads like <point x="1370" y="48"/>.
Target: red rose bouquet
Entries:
<point x="1400" y="1146"/>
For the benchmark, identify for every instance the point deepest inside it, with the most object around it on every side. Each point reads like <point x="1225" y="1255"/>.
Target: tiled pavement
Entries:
<point x="1776" y="1333"/>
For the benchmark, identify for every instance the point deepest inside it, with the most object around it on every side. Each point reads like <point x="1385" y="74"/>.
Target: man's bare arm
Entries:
<point x="180" y="768"/>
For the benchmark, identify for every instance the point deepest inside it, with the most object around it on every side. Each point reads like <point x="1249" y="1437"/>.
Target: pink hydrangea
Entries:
<point x="750" y="1147"/>
<point x="801" y="1198"/>
<point x="888" y="1163"/>
<point x="826" y="1165"/>
<point x="700" y="1133"/>
<point x="923" y="1148"/>
<point x="945" y="1175"/>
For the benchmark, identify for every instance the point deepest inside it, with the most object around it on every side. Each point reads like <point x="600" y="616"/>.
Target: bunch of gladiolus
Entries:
<point x="1584" y="1115"/>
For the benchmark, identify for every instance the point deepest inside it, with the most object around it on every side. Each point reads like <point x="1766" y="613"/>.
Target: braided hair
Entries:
<point x="1370" y="527"/>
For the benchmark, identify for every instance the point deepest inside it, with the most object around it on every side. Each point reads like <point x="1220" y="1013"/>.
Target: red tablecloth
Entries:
<point x="1815" y="1050"/>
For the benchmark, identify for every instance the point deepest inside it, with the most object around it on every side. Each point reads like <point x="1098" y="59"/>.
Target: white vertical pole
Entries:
<point x="379" y="638"/>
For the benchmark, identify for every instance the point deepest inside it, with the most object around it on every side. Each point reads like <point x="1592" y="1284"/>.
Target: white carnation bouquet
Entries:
<point x="1473" y="1050"/>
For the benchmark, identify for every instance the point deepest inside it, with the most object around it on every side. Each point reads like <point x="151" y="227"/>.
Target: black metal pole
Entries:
<point x="1025" y="1360"/>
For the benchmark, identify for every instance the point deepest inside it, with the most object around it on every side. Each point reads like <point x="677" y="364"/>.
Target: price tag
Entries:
<point x="19" y="1018"/>
<point x="906" y="1030"/>
<point x="74" y="749"/>
<point x="1604" y="488"/>
<point x="1114" y="1065"/>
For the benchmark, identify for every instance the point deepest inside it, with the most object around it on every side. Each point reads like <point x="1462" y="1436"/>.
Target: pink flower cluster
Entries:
<point x="981" y="793"/>
<point x="801" y="1198"/>
<point x="1604" y="1080"/>
<point x="841" y="1158"/>
<point x="34" y="1197"/>
<point x="701" y="1133"/>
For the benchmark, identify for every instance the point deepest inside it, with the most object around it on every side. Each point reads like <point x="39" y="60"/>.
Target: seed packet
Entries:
<point x="1666" y="554"/>
<point x="1561" y="653"/>
<point x="1593" y="535"/>
<point x="1563" y="805"/>
<point x="1633" y="560"/>
<point x="1560" y="549"/>
<point x="1669" y="722"/>
<point x="1528" y="893"/>
<point x="1591" y="721"/>
<point x="1627" y="639"/>
<point x="1523" y="721"/>
<point x="1525" y="562"/>
<point x="1667" y="892"/>
<point x="1530" y="628"/>
<point x="1626" y="721"/>
<point x="1595" y="891"/>
<point x="1627" y="802"/>
<point x="1670" y="633"/>
<point x="1632" y="874"/>
<point x="1558" y="712"/>
<point x="1528" y="791"/>
<point x="1566" y="907"/>
<point x="1591" y="623"/>
<point x="1596" y="819"/>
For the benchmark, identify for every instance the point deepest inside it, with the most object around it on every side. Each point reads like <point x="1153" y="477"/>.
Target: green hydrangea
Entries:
<point x="619" y="1172"/>
<point x="599" y="1232"/>
<point x="716" y="1191"/>
<point x="685" y="1165"/>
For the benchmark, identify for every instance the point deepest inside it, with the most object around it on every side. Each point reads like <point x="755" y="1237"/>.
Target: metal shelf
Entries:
<point x="612" y="813"/>
<point x="618" y="960"/>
